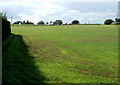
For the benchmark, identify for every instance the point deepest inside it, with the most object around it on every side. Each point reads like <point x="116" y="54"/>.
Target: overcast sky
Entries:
<point x="86" y="11"/>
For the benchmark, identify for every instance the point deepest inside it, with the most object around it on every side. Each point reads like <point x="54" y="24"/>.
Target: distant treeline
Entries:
<point x="57" y="22"/>
<point x="23" y="22"/>
<point x="60" y="22"/>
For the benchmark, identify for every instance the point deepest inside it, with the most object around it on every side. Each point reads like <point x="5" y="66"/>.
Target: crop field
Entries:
<point x="64" y="54"/>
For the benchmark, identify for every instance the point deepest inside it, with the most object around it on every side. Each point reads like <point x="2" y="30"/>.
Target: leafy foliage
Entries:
<point x="117" y="19"/>
<point x="47" y="23"/>
<point x="41" y="23"/>
<point x="108" y="21"/>
<point x="3" y="15"/>
<point x="58" y="22"/>
<point x="23" y="22"/>
<point x="75" y="22"/>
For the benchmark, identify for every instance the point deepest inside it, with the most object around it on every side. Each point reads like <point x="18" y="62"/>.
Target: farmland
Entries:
<point x="70" y="53"/>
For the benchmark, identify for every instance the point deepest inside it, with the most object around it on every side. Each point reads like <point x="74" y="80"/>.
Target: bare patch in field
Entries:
<point x="93" y="70"/>
<point x="97" y="40"/>
<point x="45" y="50"/>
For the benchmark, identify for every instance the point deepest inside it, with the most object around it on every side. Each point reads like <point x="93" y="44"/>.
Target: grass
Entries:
<point x="18" y="66"/>
<point x="72" y="54"/>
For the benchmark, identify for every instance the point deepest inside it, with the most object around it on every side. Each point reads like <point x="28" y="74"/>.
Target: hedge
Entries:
<point x="6" y="30"/>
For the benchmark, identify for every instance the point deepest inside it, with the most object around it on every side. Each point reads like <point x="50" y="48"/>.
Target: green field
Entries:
<point x="64" y="54"/>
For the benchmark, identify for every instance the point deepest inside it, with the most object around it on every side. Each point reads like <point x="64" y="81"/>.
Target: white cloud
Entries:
<point x="90" y="0"/>
<point x="34" y="18"/>
<point x="32" y="2"/>
<point x="88" y="17"/>
<point x="47" y="10"/>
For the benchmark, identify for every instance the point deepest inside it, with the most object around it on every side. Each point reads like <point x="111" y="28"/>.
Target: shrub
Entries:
<point x="75" y="22"/>
<point x="108" y="21"/>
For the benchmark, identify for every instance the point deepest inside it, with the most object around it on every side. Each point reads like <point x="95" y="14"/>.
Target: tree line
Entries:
<point x="23" y="22"/>
<point x="57" y="22"/>
<point x="60" y="22"/>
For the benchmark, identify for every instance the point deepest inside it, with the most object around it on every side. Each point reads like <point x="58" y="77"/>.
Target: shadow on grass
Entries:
<point x="18" y="66"/>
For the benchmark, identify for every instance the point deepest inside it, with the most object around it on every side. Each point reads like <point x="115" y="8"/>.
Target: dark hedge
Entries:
<point x="6" y="30"/>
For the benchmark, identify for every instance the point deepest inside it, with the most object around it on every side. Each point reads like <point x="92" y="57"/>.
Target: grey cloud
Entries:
<point x="91" y="6"/>
<point x="100" y="10"/>
<point x="14" y="11"/>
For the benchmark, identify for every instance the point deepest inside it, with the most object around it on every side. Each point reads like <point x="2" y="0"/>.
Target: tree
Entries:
<point x="58" y="22"/>
<point x="20" y="22"/>
<point x="53" y="23"/>
<point x="66" y="23"/>
<point x="108" y="21"/>
<point x="3" y="15"/>
<point x="31" y="23"/>
<point x="17" y="22"/>
<point x="41" y="23"/>
<point x="24" y="22"/>
<point x="117" y="19"/>
<point x="47" y="23"/>
<point x="75" y="22"/>
<point x="50" y="22"/>
<point x="27" y="22"/>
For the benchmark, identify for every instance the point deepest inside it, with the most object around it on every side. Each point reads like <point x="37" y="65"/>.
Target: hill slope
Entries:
<point x="18" y="65"/>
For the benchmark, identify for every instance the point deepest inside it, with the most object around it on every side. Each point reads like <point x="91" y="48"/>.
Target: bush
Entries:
<point x="3" y="15"/>
<point x="41" y="23"/>
<point x="58" y="22"/>
<point x="108" y="21"/>
<point x="75" y="22"/>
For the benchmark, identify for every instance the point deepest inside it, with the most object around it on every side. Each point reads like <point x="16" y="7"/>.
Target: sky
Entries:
<point x="86" y="11"/>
